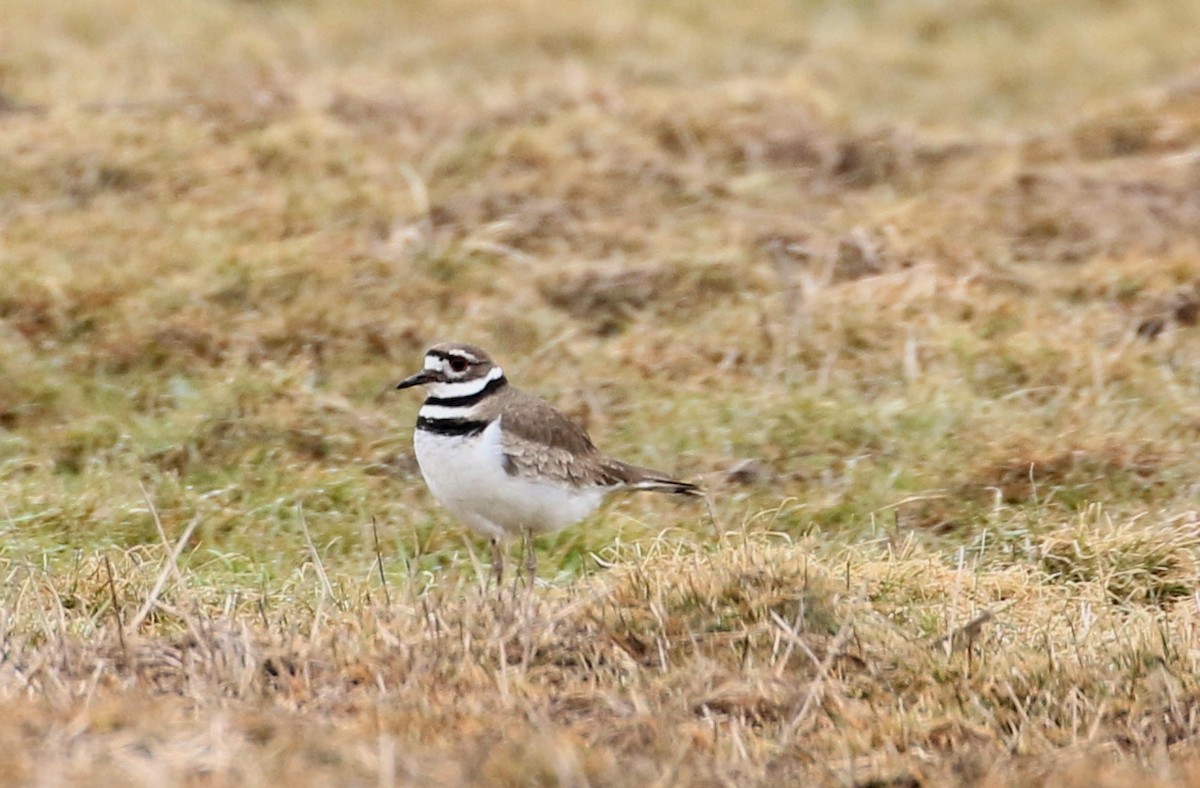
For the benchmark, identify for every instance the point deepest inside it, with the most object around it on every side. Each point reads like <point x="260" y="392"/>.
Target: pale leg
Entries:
<point x="497" y="561"/>
<point x="530" y="558"/>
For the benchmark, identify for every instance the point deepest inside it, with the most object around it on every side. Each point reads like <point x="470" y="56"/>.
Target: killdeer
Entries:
<point x="506" y="463"/>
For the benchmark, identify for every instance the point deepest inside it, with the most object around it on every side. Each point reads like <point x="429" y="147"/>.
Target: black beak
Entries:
<point x="420" y="379"/>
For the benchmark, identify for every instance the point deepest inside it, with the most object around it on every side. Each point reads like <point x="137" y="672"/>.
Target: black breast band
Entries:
<point x="459" y="427"/>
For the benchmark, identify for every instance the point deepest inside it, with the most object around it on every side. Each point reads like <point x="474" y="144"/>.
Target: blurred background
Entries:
<point x="921" y="266"/>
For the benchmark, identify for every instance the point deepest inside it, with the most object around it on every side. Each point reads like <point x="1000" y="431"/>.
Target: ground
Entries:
<point x="911" y="288"/>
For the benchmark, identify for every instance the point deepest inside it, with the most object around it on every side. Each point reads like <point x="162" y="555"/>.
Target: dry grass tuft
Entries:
<point x="734" y="664"/>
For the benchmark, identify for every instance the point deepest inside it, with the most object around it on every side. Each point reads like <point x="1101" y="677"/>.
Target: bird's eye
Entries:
<point x="458" y="363"/>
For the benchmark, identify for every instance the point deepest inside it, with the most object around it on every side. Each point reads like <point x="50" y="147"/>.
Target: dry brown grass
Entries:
<point x="746" y="663"/>
<point x="913" y="290"/>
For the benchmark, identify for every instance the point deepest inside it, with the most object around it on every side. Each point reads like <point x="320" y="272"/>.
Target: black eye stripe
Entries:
<point x="467" y="400"/>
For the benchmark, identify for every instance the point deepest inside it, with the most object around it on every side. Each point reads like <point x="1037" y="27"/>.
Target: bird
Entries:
<point x="507" y="463"/>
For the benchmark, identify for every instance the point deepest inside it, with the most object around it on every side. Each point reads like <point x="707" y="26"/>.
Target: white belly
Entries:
<point x="467" y="476"/>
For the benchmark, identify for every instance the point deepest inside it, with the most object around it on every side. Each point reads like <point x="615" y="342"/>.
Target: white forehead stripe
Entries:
<point x="435" y="364"/>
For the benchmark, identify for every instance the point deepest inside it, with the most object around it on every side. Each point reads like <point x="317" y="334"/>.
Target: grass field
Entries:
<point x="911" y="287"/>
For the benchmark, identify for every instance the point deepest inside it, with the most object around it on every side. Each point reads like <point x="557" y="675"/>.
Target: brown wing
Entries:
<point x="540" y="441"/>
<point x="532" y="419"/>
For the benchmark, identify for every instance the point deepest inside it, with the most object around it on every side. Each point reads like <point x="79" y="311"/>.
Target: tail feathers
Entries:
<point x="635" y="477"/>
<point x="665" y="485"/>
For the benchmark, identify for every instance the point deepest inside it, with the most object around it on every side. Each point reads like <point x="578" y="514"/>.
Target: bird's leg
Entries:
<point x="497" y="561"/>
<point x="530" y="557"/>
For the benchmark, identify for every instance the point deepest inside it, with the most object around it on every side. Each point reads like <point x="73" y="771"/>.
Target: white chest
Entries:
<point x="466" y="474"/>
